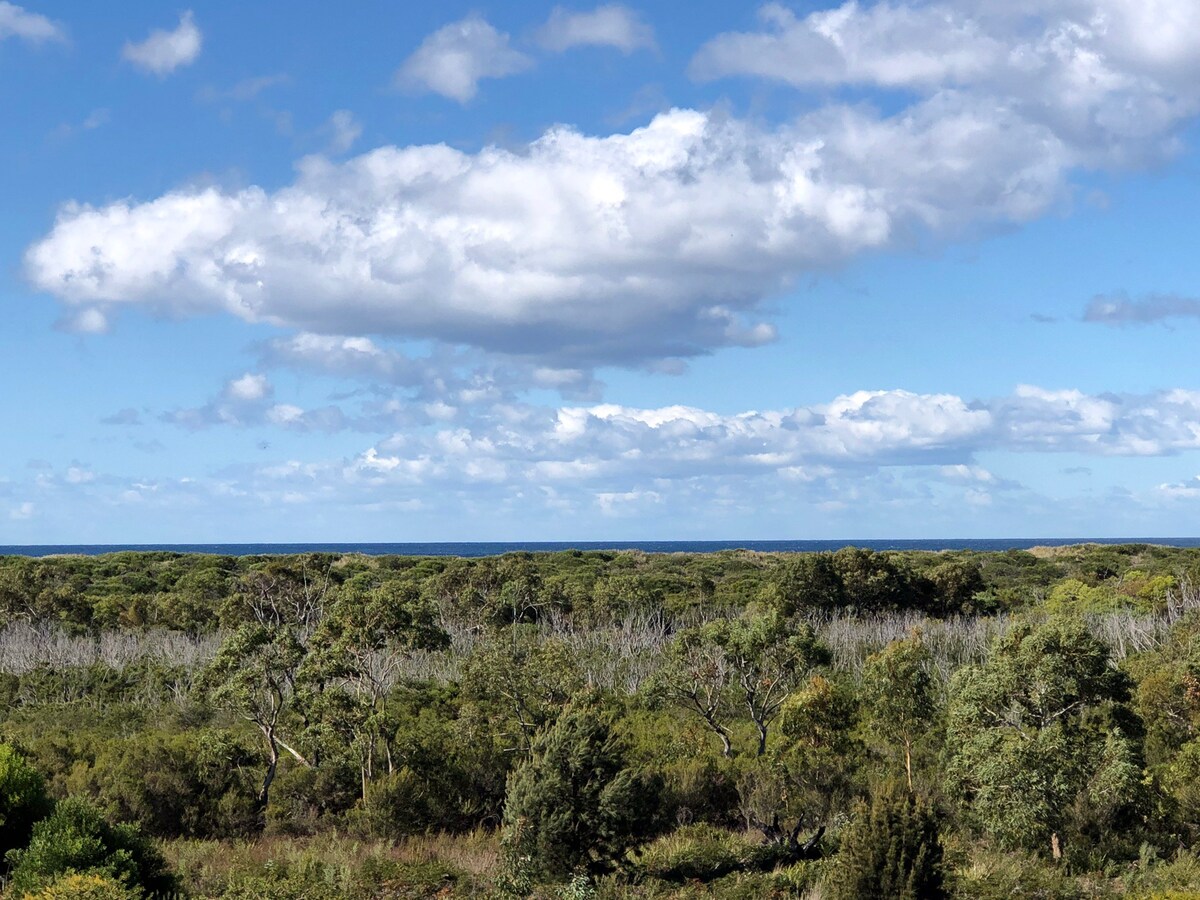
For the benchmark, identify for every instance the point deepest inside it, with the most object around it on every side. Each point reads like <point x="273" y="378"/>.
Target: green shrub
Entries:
<point x="77" y="838"/>
<point x="84" y="887"/>
<point x="891" y="850"/>
<point x="23" y="799"/>
<point x="1002" y="876"/>
<point x="574" y="804"/>
<point x="702" y="852"/>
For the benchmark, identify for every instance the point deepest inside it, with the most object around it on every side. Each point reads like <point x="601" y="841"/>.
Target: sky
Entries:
<point x="522" y="271"/>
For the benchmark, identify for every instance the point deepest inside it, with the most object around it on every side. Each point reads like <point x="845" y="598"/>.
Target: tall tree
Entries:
<point x="898" y="691"/>
<point x="1040" y="731"/>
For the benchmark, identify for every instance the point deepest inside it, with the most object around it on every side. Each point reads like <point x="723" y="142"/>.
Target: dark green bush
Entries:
<point x="574" y="804"/>
<point x="77" y="838"/>
<point x="891" y="851"/>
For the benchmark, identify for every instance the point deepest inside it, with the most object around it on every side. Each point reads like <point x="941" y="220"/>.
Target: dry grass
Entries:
<point x="207" y="868"/>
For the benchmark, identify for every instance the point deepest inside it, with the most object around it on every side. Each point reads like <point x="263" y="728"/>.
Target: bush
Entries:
<point x="1001" y="876"/>
<point x="77" y="838"/>
<point x="574" y="804"/>
<point x="192" y="784"/>
<point x="702" y="852"/>
<point x="891" y="850"/>
<point x="84" y="887"/>
<point x="23" y="799"/>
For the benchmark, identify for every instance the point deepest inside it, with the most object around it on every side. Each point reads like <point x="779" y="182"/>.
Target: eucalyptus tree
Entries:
<point x="898" y="689"/>
<point x="1043" y="743"/>
<point x="362" y="644"/>
<point x="810" y="772"/>
<point x="748" y="664"/>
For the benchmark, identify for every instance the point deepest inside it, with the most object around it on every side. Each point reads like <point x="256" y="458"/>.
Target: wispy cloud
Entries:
<point x="165" y="51"/>
<point x="455" y="58"/>
<point x="18" y="22"/>
<point x="244" y="90"/>
<point x="344" y="130"/>
<point x="610" y="25"/>
<point x="1121" y="309"/>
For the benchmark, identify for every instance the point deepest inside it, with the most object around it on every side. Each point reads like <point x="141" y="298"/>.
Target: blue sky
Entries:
<point x="277" y="272"/>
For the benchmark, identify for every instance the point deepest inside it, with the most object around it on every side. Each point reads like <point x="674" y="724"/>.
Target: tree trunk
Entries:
<point x="908" y="763"/>
<point x="264" y="794"/>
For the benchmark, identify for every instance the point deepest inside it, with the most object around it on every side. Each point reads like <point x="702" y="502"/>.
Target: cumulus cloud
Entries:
<point x="18" y="22"/>
<point x="443" y="375"/>
<point x="610" y="25"/>
<point x="162" y="52"/>
<point x="870" y="449"/>
<point x="904" y="456"/>
<point x="22" y="511"/>
<point x="249" y="401"/>
<point x="618" y="448"/>
<point x="645" y="248"/>
<point x="1110" y="78"/>
<point x="1183" y="490"/>
<point x="1121" y="309"/>
<point x="455" y="58"/>
<point x="580" y="251"/>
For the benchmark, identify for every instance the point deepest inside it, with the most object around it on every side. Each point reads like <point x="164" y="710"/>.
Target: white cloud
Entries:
<point x="583" y="250"/>
<point x="455" y="58"/>
<point x="88" y="320"/>
<point x="249" y="387"/>
<point x="248" y="401"/>
<point x="165" y="51"/>
<point x="79" y="475"/>
<point x="24" y="510"/>
<point x="1185" y="490"/>
<point x="645" y="248"/>
<point x="609" y="25"/>
<point x="892" y="455"/>
<point x="18" y="22"/>
<point x="1109" y="78"/>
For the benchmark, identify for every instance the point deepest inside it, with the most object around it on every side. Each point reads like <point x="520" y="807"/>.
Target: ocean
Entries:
<point x="493" y="548"/>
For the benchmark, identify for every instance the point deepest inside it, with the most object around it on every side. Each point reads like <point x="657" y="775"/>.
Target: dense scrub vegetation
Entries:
<point x="602" y="724"/>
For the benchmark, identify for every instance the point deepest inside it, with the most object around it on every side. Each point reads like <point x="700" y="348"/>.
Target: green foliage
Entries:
<point x="1002" y="876"/>
<point x="521" y="680"/>
<point x="811" y="773"/>
<point x="702" y="852"/>
<point x="187" y="784"/>
<point x="574" y="804"/>
<point x="84" y="887"/>
<point x="23" y="799"/>
<point x="1073" y="597"/>
<point x="891" y="850"/>
<point x="337" y="704"/>
<point x="898" y="690"/>
<point x="77" y="838"/>
<point x="1036" y="733"/>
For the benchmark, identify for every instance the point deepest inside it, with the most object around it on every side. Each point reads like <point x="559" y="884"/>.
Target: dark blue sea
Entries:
<point x="494" y="548"/>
